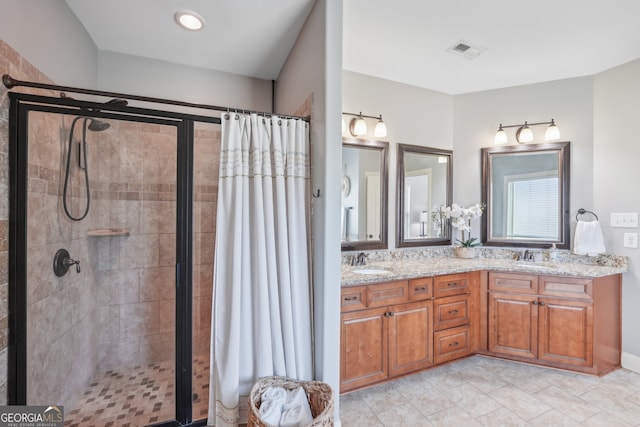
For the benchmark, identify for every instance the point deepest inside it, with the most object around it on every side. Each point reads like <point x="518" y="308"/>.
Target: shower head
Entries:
<point x="98" y="125"/>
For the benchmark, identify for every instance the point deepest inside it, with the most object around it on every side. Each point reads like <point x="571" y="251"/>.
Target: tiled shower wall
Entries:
<point x="11" y="62"/>
<point x="119" y="310"/>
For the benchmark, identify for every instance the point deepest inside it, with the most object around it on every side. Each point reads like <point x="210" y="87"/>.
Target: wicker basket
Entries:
<point x="319" y="394"/>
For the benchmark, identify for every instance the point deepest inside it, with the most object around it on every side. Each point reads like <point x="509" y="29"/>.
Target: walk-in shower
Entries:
<point x="94" y="125"/>
<point x="126" y="338"/>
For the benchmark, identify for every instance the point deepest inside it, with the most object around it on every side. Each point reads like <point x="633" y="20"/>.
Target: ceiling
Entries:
<point x="401" y="40"/>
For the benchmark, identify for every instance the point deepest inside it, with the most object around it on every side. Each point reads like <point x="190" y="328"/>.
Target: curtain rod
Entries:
<point x="9" y="82"/>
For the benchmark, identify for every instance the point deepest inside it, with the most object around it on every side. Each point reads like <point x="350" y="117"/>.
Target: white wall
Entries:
<point x="50" y="36"/>
<point x="314" y="67"/>
<point x="413" y="116"/>
<point x="478" y="115"/>
<point x="161" y="79"/>
<point x="616" y="175"/>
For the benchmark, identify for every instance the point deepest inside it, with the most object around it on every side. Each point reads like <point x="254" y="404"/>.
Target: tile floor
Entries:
<point x="137" y="396"/>
<point x="482" y="391"/>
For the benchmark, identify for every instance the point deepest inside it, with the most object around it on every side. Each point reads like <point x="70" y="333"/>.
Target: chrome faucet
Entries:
<point x="528" y="255"/>
<point x="360" y="259"/>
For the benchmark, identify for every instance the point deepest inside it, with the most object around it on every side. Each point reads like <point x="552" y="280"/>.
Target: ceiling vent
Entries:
<point x="466" y="49"/>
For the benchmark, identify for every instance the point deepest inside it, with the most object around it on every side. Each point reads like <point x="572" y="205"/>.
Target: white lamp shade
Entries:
<point x="381" y="129"/>
<point x="501" y="137"/>
<point x="424" y="217"/>
<point x="552" y="133"/>
<point x="358" y="126"/>
<point x="524" y="135"/>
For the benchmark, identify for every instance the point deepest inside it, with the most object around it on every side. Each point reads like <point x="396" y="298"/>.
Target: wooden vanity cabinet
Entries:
<point x="565" y="322"/>
<point x="392" y="336"/>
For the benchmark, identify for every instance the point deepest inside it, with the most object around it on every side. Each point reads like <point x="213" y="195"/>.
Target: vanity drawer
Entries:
<point x="570" y="287"/>
<point x="451" y="284"/>
<point x="513" y="282"/>
<point x="451" y="344"/>
<point x="389" y="293"/>
<point x="450" y="312"/>
<point x="353" y="298"/>
<point x="420" y="289"/>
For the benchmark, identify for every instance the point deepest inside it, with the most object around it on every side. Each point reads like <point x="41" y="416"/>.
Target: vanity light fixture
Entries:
<point x="189" y="20"/>
<point x="524" y="133"/>
<point x="358" y="126"/>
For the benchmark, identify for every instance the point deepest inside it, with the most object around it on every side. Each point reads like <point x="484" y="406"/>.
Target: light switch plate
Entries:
<point x="630" y="240"/>
<point x="624" y="220"/>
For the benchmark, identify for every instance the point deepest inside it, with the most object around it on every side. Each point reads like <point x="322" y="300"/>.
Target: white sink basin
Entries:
<point x="371" y="271"/>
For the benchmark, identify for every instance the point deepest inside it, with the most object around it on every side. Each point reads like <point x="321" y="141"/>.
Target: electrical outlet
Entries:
<point x="630" y="240"/>
<point x="624" y="220"/>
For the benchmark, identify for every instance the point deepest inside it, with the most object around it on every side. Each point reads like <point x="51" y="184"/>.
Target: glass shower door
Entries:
<point x="101" y="338"/>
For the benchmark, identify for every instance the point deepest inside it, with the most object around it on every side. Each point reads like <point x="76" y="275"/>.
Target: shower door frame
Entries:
<point x="20" y="106"/>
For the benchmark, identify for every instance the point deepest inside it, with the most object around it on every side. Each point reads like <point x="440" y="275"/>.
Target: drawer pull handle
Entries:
<point x="353" y="298"/>
<point x="451" y="285"/>
<point x="420" y="289"/>
<point x="453" y="311"/>
<point x="454" y="344"/>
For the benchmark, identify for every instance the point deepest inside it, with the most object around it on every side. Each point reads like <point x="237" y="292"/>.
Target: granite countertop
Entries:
<point x="408" y="269"/>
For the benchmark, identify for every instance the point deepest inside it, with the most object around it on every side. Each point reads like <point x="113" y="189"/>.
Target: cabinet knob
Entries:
<point x="541" y="303"/>
<point x="388" y="314"/>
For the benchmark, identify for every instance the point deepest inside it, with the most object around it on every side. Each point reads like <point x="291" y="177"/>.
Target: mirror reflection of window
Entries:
<point x="528" y="189"/>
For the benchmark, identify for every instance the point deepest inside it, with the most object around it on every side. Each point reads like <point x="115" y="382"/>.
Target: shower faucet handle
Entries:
<point x="69" y="262"/>
<point x="62" y="262"/>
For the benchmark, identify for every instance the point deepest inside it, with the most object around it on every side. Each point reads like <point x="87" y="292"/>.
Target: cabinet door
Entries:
<point x="363" y="348"/>
<point x="513" y="324"/>
<point x="566" y="331"/>
<point x="410" y="337"/>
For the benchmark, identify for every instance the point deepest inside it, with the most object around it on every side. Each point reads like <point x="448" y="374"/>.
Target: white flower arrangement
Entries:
<point x="460" y="218"/>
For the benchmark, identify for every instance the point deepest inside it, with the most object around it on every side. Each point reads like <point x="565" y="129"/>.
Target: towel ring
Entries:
<point x="582" y="211"/>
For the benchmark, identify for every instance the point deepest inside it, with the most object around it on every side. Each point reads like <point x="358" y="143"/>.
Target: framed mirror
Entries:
<point x="364" y="194"/>
<point x="526" y="192"/>
<point x="424" y="183"/>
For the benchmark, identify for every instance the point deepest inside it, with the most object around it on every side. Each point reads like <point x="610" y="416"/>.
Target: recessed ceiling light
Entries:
<point x="466" y="49"/>
<point x="189" y="20"/>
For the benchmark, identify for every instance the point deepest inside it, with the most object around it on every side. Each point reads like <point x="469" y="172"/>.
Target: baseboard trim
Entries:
<point x="631" y="362"/>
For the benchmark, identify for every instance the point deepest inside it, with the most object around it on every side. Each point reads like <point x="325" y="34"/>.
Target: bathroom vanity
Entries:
<point x="418" y="314"/>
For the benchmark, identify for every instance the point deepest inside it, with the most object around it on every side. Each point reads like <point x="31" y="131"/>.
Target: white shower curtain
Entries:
<point x="261" y="320"/>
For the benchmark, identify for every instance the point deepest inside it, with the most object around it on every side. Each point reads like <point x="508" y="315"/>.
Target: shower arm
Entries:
<point x="9" y="82"/>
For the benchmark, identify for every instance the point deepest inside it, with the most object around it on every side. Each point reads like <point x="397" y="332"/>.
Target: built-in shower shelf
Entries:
<point x="108" y="232"/>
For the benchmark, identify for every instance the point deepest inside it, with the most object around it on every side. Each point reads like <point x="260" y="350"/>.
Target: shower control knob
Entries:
<point x="62" y="261"/>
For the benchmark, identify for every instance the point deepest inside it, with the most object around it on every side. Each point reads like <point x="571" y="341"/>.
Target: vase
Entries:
<point x="464" y="252"/>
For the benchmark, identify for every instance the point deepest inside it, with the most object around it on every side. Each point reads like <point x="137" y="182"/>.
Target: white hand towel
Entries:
<point x="296" y="411"/>
<point x="588" y="239"/>
<point x="270" y="409"/>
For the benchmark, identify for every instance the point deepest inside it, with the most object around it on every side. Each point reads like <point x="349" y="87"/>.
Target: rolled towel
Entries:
<point x="273" y="398"/>
<point x="296" y="411"/>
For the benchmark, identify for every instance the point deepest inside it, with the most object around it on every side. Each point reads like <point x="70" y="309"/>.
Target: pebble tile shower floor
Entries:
<point x="137" y="396"/>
